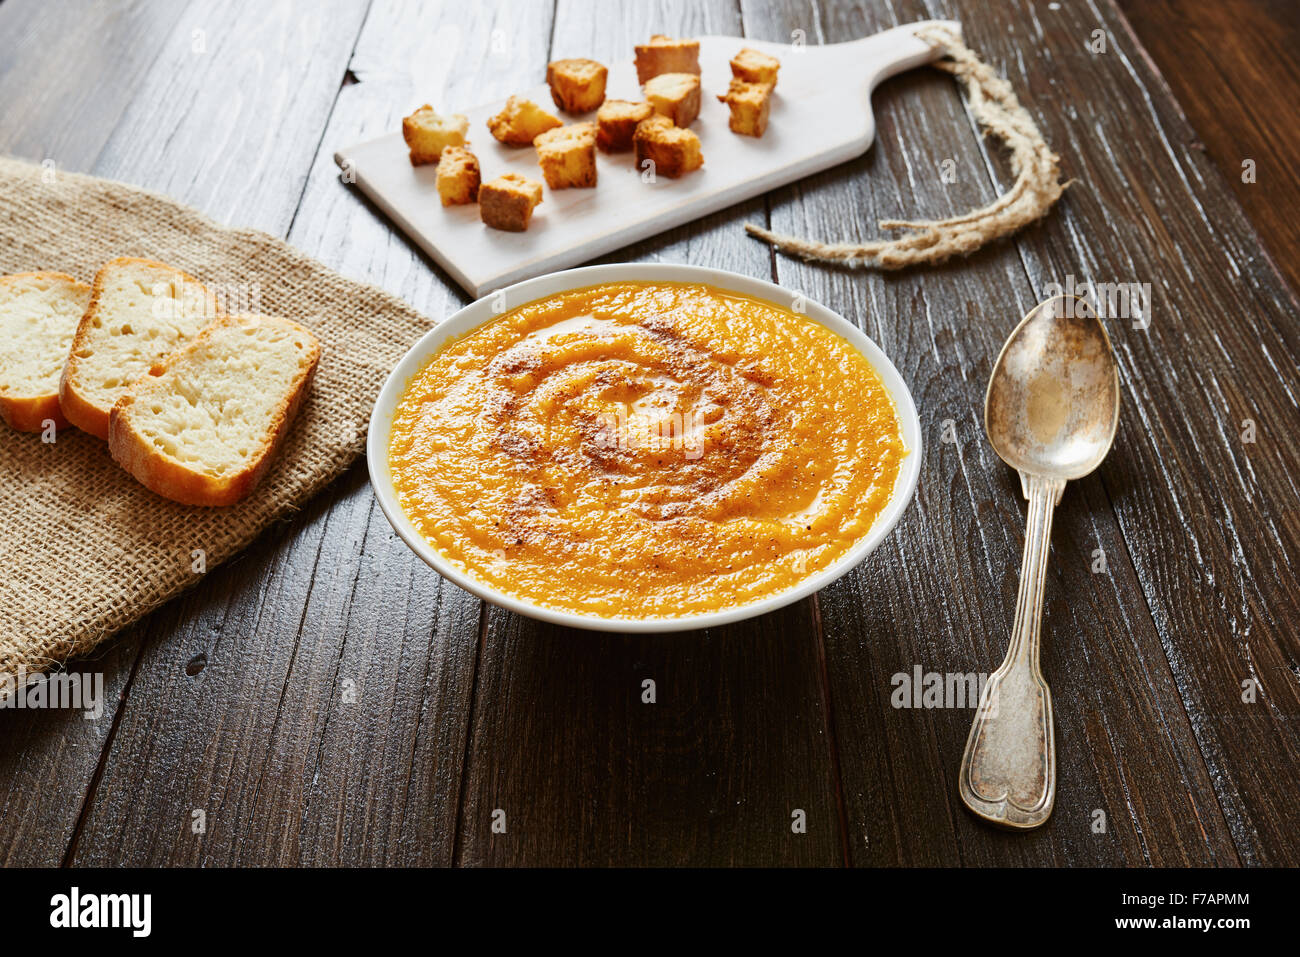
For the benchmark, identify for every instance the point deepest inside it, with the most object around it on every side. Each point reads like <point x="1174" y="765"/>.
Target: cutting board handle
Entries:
<point x="886" y="53"/>
<point x="854" y="69"/>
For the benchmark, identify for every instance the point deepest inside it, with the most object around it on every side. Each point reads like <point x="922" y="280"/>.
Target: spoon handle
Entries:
<point x="1008" y="773"/>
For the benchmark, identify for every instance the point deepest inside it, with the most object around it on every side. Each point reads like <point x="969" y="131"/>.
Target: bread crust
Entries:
<point x="426" y="145"/>
<point x="174" y="480"/>
<point x="754" y="67"/>
<point x="24" y="413"/>
<point x="520" y="122"/>
<point x="458" y="177"/>
<point x="79" y="411"/>
<point x="28" y="413"/>
<point x="40" y="274"/>
<point x="749" y="104"/>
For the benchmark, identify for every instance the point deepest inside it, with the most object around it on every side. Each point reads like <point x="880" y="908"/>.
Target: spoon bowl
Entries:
<point x="1052" y="404"/>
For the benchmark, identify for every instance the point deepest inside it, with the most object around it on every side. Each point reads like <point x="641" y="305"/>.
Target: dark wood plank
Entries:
<point x="386" y="789"/>
<point x="243" y="738"/>
<point x="711" y="773"/>
<point x="48" y="759"/>
<point x="239" y="696"/>
<point x="939" y="595"/>
<point x="1233" y="69"/>
<point x="1208" y="517"/>
<point x="350" y="683"/>
<point x="736" y="742"/>
<point x="230" y="114"/>
<point x="250" y="105"/>
<point x="51" y="111"/>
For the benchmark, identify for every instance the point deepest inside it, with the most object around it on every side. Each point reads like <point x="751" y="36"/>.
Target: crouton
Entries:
<point x="507" y="202"/>
<point x="577" y="86"/>
<point x="671" y="149"/>
<point x="749" y="104"/>
<point x="754" y="67"/>
<point x="676" y="96"/>
<point x="666" y="55"/>
<point x="616" y="123"/>
<point x="568" y="156"/>
<point x="521" y="121"/>
<point x="458" y="176"/>
<point x="427" y="134"/>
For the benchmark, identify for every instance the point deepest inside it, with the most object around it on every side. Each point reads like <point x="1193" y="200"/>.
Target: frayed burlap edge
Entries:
<point x="84" y="549"/>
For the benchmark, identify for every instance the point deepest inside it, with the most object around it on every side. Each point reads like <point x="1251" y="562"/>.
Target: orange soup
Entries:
<point x="641" y="449"/>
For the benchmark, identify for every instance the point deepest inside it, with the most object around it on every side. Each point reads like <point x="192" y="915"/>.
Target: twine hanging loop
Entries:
<point x="1036" y="168"/>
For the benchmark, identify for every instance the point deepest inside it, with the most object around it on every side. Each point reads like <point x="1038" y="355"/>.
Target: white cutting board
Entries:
<point x="820" y="116"/>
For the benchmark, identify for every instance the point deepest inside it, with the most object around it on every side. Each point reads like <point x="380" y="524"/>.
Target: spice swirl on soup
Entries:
<point x="641" y="449"/>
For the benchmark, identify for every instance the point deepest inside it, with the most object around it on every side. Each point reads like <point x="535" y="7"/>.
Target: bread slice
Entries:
<point x="39" y="312"/>
<point x="202" y="426"/>
<point x="139" y="311"/>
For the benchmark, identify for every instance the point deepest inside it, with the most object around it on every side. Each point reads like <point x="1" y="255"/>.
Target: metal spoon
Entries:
<point x="1050" y="412"/>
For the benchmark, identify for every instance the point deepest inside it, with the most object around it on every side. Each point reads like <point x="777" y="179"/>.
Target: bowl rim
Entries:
<point x="491" y="306"/>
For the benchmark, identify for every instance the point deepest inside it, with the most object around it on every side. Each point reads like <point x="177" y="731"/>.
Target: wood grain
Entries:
<point x="944" y="328"/>
<point x="484" y="51"/>
<point x="326" y="699"/>
<point x="234" y="143"/>
<point x="48" y="764"/>
<point x="1202" y="511"/>
<point x="1233" y="69"/>
<point x="49" y="760"/>
<point x="51" y="112"/>
<point x="326" y="779"/>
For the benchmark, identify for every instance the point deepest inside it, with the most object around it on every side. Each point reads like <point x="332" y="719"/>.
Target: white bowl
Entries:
<point x="482" y="311"/>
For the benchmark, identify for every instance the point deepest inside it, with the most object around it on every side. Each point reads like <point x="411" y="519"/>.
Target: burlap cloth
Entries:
<point x="84" y="549"/>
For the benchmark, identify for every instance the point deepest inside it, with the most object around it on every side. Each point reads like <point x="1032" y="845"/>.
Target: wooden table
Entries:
<point x="326" y="699"/>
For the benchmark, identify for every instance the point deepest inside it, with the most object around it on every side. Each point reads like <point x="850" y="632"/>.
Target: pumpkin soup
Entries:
<point x="645" y="449"/>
